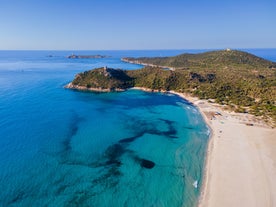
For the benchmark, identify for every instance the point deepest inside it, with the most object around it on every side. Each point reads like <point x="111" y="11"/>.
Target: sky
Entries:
<point x="136" y="24"/>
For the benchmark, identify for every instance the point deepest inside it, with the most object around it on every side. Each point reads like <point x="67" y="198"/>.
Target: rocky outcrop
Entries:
<point x="99" y="89"/>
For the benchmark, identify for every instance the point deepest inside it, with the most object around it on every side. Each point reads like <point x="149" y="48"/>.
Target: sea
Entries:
<point x="60" y="147"/>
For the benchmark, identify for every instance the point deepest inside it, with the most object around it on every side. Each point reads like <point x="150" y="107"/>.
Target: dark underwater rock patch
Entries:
<point x="169" y="122"/>
<point x="131" y="139"/>
<point x="172" y="130"/>
<point x="114" y="151"/>
<point x="147" y="164"/>
<point x="114" y="162"/>
<point x="74" y="130"/>
<point x="128" y="140"/>
<point x="144" y="163"/>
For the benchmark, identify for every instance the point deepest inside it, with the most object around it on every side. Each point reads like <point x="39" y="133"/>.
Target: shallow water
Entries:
<point x="65" y="148"/>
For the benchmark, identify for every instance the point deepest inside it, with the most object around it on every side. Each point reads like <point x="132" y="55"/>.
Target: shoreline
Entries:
<point x="194" y="101"/>
<point x="240" y="160"/>
<point x="136" y="62"/>
<point x="83" y="88"/>
<point x="209" y="144"/>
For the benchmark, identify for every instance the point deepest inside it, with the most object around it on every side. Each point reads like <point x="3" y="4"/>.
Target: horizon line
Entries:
<point x="238" y="48"/>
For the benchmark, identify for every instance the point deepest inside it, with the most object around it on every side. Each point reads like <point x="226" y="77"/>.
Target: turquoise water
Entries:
<point x="65" y="148"/>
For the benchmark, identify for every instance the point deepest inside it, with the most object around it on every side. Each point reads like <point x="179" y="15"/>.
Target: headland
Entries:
<point x="235" y="93"/>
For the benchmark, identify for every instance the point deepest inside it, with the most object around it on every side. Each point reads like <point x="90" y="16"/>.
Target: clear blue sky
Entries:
<point x="139" y="24"/>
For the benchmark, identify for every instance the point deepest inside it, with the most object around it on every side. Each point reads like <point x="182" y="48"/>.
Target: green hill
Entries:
<point x="103" y="78"/>
<point x="220" y="58"/>
<point x="240" y="80"/>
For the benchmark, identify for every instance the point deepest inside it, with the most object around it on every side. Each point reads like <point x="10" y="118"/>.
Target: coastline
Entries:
<point x="240" y="162"/>
<point x="146" y="64"/>
<point x="83" y="88"/>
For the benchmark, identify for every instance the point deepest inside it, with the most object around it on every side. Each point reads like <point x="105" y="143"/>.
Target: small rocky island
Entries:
<point x="240" y="80"/>
<point x="87" y="56"/>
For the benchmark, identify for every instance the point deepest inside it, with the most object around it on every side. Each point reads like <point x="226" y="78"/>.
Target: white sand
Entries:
<point x="241" y="160"/>
<point x="240" y="167"/>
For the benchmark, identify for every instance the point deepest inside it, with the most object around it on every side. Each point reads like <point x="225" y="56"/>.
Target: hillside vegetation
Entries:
<point x="103" y="78"/>
<point x="240" y="80"/>
<point x="220" y="58"/>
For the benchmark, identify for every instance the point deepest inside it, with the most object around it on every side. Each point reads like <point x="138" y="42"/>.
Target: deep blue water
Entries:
<point x="65" y="148"/>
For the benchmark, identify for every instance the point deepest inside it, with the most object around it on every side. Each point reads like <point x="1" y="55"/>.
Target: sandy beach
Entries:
<point x="241" y="159"/>
<point x="240" y="168"/>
